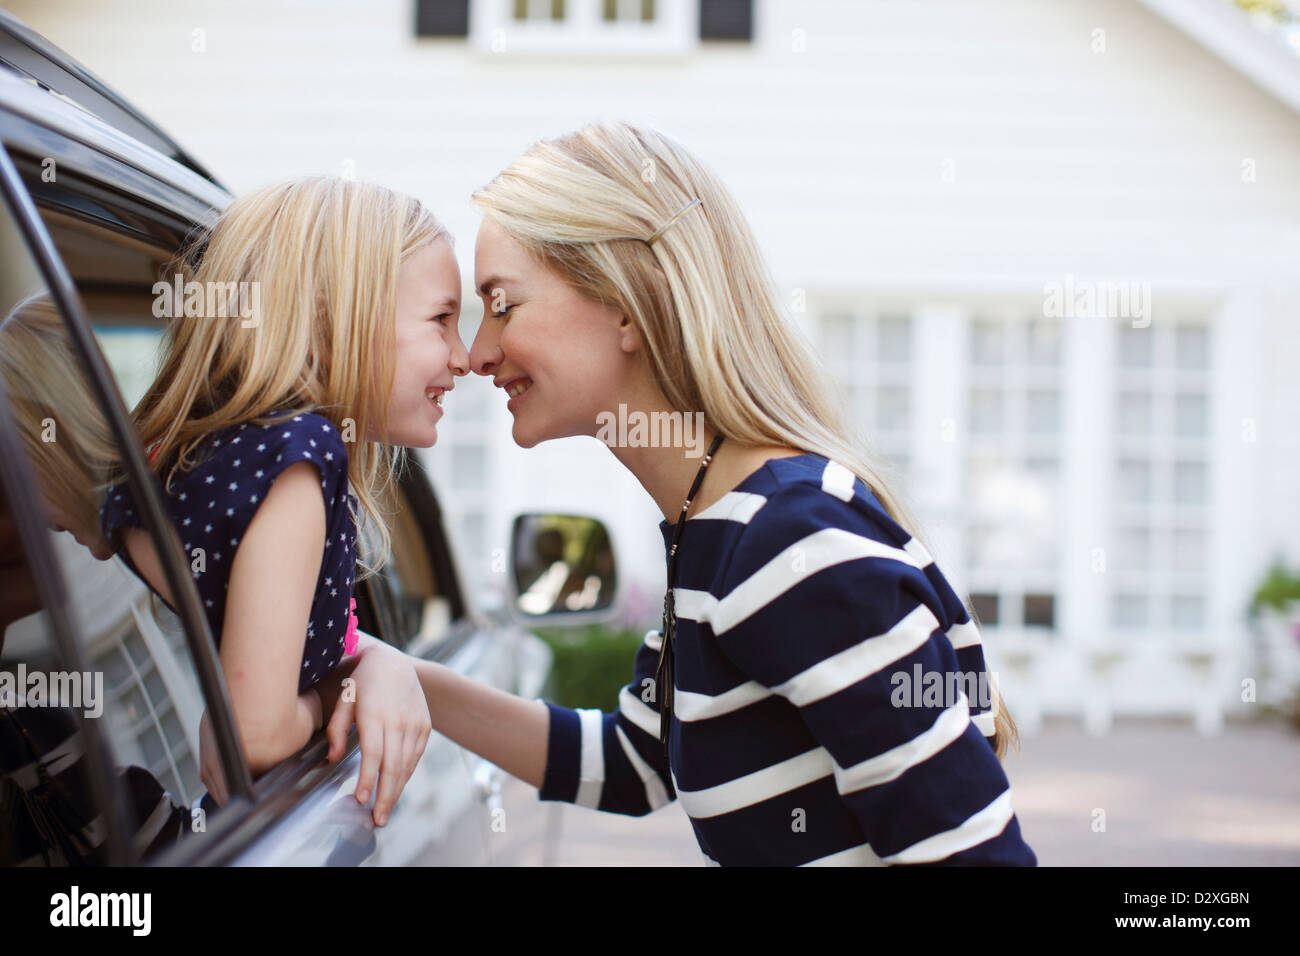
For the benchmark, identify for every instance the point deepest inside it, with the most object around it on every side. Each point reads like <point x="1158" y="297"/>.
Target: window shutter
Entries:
<point x="442" y="18"/>
<point x="727" y="20"/>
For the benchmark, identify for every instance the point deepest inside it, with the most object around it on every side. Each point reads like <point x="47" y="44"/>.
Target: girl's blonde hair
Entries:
<point x="325" y="254"/>
<point x="586" y="205"/>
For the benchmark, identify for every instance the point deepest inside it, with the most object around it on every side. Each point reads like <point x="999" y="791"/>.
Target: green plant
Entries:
<point x="591" y="664"/>
<point x="1279" y="587"/>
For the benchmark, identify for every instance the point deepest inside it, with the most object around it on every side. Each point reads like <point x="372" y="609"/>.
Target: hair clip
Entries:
<point x="660" y="231"/>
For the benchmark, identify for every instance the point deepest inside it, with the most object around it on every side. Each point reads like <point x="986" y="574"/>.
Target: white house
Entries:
<point x="1050" y="247"/>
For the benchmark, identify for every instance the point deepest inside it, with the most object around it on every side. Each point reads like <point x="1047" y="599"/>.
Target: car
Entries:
<point x="96" y="202"/>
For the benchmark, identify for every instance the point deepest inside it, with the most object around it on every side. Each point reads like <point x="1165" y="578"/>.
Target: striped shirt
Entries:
<point x="831" y="704"/>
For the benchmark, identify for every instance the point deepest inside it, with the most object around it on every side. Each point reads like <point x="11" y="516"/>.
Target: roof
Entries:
<point x="1228" y="32"/>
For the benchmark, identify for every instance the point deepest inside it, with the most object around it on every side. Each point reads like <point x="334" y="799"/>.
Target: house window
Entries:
<point x="584" y="27"/>
<point x="539" y="9"/>
<point x="643" y="10"/>
<point x="1161" y="476"/>
<point x="1014" y="446"/>
<point x="870" y="355"/>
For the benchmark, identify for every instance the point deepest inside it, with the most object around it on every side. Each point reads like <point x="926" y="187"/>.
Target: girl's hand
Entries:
<point x="210" y="772"/>
<point x="392" y="717"/>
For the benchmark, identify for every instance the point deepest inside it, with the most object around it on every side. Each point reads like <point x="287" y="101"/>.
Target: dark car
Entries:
<point x="96" y="201"/>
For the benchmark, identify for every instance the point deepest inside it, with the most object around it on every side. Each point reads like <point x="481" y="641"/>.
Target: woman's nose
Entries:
<point x="485" y="353"/>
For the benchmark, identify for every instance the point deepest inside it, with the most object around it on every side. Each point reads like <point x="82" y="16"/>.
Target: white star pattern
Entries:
<point x="215" y="470"/>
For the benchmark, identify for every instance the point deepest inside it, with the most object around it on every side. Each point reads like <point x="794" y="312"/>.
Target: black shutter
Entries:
<point x="442" y="18"/>
<point x="727" y="19"/>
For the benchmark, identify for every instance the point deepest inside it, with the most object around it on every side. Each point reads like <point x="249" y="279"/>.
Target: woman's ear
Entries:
<point x="629" y="338"/>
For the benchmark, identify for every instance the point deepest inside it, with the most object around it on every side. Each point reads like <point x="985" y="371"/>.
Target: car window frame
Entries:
<point x="142" y="483"/>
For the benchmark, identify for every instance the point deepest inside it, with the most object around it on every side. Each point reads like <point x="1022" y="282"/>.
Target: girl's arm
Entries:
<point x="506" y="729"/>
<point x="272" y="586"/>
<point x="378" y="689"/>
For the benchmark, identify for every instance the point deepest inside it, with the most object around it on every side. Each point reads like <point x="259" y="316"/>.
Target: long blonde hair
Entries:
<point x="325" y="253"/>
<point x="59" y="420"/>
<point x="586" y="204"/>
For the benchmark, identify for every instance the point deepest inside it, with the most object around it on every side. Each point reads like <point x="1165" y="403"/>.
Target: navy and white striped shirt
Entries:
<point x="817" y="718"/>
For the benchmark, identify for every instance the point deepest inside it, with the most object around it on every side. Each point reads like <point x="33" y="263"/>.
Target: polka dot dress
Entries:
<point x="213" y="505"/>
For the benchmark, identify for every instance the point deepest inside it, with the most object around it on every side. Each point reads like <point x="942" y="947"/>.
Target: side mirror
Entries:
<point x="561" y="569"/>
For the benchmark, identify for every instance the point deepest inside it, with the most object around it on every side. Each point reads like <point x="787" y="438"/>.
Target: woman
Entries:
<point x="618" y="271"/>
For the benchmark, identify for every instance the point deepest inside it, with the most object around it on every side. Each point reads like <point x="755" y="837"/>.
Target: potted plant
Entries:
<point x="1275" y="608"/>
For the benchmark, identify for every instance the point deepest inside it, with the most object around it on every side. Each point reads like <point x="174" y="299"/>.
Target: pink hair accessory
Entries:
<point x="350" y="639"/>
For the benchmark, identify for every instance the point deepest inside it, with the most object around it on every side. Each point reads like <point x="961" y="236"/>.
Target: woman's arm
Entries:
<point x="503" y="728"/>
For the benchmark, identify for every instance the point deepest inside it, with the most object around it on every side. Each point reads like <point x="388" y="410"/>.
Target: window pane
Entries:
<point x="1187" y="610"/>
<point x="1040" y="610"/>
<point x="837" y="337"/>
<point x="1129" y="610"/>
<point x="1134" y="482"/>
<point x="1190" y="416"/>
<point x="987" y="342"/>
<point x="895" y="339"/>
<point x="70" y="453"/>
<point x="1044" y="342"/>
<point x="1135" y="348"/>
<point x="1044" y="411"/>
<point x="986" y="411"/>
<point x="1133" y="549"/>
<point x="892" y="409"/>
<point x="1189" y="549"/>
<point x="1134" y="413"/>
<point x="1190" y="348"/>
<point x="1189" y="483"/>
<point x="985" y="607"/>
<point x="468" y="469"/>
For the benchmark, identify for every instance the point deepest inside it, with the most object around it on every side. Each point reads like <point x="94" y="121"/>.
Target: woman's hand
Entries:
<point x="210" y="772"/>
<point x="384" y="697"/>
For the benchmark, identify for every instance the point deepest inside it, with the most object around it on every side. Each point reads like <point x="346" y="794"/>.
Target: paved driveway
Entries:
<point x="1168" y="796"/>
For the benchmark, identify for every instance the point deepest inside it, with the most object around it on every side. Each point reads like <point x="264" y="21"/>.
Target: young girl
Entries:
<point x="777" y="700"/>
<point x="271" y="428"/>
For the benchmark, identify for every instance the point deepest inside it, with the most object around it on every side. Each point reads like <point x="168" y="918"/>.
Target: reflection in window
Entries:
<point x="149" y="709"/>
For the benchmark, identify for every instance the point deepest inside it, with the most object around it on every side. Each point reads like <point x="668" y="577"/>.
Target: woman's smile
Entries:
<point x="515" y="388"/>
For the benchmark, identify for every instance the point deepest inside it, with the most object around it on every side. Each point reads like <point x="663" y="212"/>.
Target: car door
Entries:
<point x="135" y="678"/>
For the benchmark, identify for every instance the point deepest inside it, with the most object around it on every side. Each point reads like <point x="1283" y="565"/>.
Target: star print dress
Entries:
<point x="213" y="505"/>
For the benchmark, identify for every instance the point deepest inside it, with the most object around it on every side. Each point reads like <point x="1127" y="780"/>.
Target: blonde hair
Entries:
<point x="586" y="205"/>
<point x="63" y="431"/>
<point x="325" y="253"/>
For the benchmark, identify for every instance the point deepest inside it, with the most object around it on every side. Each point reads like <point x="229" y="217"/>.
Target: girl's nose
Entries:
<point x="459" y="359"/>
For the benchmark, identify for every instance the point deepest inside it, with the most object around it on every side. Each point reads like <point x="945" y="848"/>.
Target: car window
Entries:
<point x="423" y="614"/>
<point x="139" y="682"/>
<point x="116" y="252"/>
